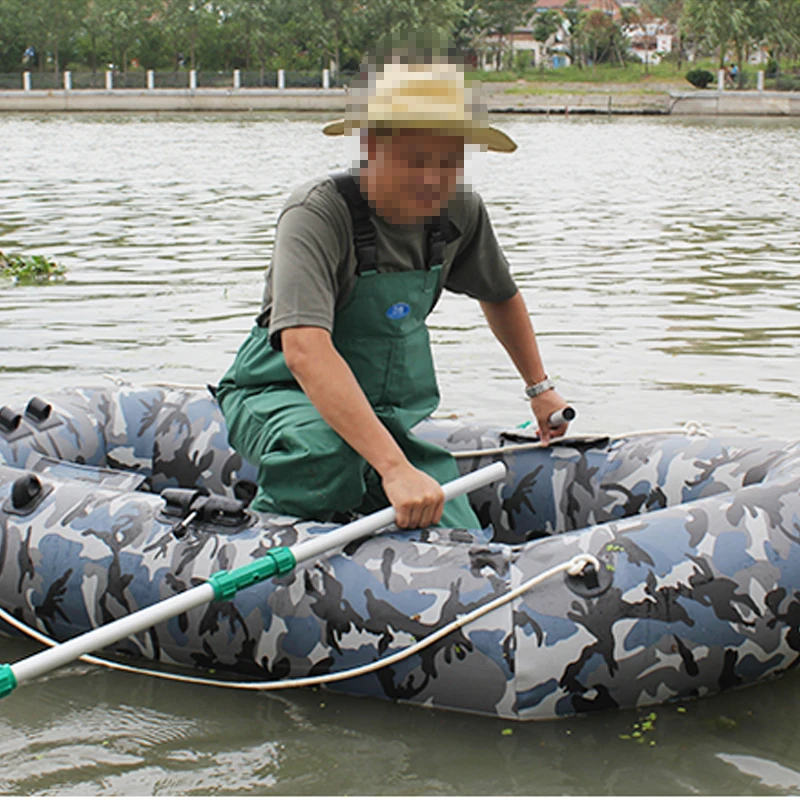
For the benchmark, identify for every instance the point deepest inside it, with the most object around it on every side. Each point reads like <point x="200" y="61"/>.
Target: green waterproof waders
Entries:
<point x="305" y="468"/>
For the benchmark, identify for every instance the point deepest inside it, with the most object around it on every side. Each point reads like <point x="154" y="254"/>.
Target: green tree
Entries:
<point x="13" y="38"/>
<point x="499" y="19"/>
<point x="546" y="23"/>
<point x="52" y="28"/>
<point x="603" y="38"/>
<point x="93" y="31"/>
<point x="381" y="18"/>
<point x="335" y="26"/>
<point x="122" y="23"/>
<point x="780" y="30"/>
<point x="185" y="23"/>
<point x="575" y="18"/>
<point x="726" y="24"/>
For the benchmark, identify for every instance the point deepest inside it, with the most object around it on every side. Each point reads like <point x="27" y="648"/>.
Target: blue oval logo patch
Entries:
<point x="398" y="311"/>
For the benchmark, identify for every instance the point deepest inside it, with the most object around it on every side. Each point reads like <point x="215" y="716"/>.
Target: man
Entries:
<point x="338" y="369"/>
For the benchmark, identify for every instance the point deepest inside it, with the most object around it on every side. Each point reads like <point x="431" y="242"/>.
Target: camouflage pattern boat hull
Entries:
<point x="698" y="538"/>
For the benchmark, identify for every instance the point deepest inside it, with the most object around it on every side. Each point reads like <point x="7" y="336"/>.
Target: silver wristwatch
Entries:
<point x="539" y="388"/>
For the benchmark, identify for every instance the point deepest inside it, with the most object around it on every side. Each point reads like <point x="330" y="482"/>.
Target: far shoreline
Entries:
<point x="534" y="99"/>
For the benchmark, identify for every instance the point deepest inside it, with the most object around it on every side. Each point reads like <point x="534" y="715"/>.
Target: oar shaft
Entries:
<point x="97" y="639"/>
<point x="369" y="524"/>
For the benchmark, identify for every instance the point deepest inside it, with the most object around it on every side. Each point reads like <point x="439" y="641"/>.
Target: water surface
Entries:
<point x="659" y="261"/>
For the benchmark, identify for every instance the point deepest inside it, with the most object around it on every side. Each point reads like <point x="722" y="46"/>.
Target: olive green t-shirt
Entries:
<point x="313" y="267"/>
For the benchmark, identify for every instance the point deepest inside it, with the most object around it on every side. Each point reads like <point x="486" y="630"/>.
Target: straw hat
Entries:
<point x="426" y="96"/>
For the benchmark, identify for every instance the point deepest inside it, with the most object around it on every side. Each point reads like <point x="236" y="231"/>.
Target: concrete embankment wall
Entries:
<point x="174" y="100"/>
<point x="698" y="103"/>
<point x="737" y="103"/>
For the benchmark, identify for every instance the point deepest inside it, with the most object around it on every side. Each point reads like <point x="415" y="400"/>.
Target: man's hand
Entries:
<point x="543" y="406"/>
<point x="331" y="386"/>
<point x="416" y="497"/>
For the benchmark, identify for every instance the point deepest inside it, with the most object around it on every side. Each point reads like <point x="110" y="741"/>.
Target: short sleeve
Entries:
<point x="303" y="279"/>
<point x="480" y="268"/>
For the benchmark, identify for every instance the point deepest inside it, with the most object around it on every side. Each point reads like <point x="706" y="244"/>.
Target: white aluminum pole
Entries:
<point x="369" y="524"/>
<point x="39" y="664"/>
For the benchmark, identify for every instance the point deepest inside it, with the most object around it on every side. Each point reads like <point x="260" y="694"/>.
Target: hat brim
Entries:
<point x="485" y="135"/>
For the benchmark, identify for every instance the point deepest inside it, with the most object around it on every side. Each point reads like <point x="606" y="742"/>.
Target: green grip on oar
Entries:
<point x="277" y="561"/>
<point x="8" y="681"/>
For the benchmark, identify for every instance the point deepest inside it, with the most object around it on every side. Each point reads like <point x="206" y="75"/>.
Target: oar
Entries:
<point x="222" y="586"/>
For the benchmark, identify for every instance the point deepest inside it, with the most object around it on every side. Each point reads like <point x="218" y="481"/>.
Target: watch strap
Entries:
<point x="534" y="390"/>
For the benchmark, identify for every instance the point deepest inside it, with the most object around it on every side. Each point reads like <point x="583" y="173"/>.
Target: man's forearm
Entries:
<point x="512" y="327"/>
<point x="329" y="383"/>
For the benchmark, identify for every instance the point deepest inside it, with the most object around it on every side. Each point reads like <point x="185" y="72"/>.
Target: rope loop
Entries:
<point x="694" y="428"/>
<point x="577" y="565"/>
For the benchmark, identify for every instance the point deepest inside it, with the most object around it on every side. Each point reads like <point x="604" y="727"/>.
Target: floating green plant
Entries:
<point x="29" y="269"/>
<point x="643" y="730"/>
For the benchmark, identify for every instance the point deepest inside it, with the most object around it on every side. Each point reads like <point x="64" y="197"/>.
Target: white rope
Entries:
<point x="574" y="566"/>
<point x="689" y="429"/>
<point x="119" y="382"/>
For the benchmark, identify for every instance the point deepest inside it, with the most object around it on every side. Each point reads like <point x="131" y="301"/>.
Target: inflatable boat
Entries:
<point x="114" y="498"/>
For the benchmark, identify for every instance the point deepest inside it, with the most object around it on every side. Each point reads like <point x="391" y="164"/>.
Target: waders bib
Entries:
<point x="305" y="468"/>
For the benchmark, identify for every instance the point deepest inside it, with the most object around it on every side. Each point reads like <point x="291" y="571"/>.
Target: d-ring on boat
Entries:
<point x="611" y="572"/>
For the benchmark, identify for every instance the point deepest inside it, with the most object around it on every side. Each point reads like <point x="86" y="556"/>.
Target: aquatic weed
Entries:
<point x="29" y="269"/>
<point x="643" y="730"/>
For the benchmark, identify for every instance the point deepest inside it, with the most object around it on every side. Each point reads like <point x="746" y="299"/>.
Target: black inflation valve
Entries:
<point x="38" y="410"/>
<point x="9" y="419"/>
<point x="27" y="492"/>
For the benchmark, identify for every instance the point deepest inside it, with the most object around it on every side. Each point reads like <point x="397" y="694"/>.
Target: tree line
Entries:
<point x="311" y="34"/>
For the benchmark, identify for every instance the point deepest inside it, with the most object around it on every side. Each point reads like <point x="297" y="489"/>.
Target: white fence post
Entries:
<point x="326" y="79"/>
<point x="192" y="79"/>
<point x="237" y="79"/>
<point x="721" y="80"/>
<point x="151" y="79"/>
<point x="281" y="79"/>
<point x="67" y="81"/>
<point x="109" y="80"/>
<point x="761" y="80"/>
<point x="26" y="81"/>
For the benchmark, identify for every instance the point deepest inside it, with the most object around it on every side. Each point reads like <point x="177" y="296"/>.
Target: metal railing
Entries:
<point x="174" y="79"/>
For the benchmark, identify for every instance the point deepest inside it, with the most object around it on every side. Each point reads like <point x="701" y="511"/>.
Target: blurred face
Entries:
<point x="412" y="174"/>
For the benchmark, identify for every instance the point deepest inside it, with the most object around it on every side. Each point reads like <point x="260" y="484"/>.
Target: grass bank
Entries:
<point x="632" y="77"/>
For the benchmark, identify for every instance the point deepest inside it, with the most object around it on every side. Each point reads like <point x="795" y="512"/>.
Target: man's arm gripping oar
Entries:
<point x="222" y="586"/>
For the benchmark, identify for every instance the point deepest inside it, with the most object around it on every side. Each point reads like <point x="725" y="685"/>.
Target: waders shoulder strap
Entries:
<point x="363" y="230"/>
